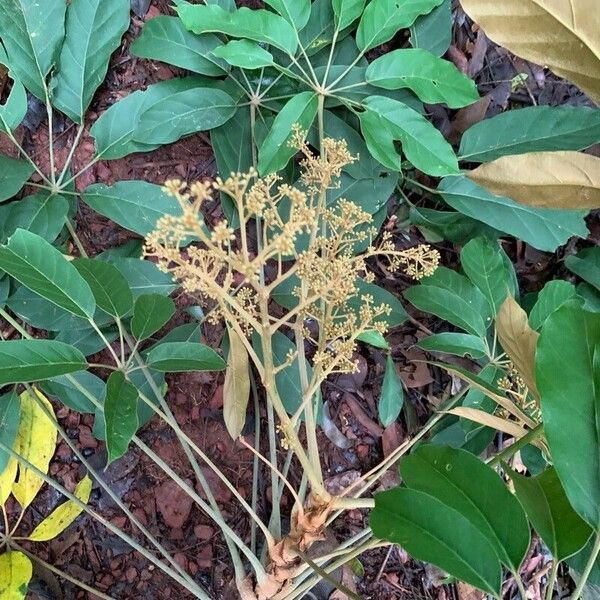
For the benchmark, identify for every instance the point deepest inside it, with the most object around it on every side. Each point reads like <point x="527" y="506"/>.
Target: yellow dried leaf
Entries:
<point x="483" y="418"/>
<point x="544" y="179"/>
<point x="562" y="34"/>
<point x="518" y="340"/>
<point x="36" y="442"/>
<point x="15" y="574"/>
<point x="60" y="518"/>
<point x="7" y="478"/>
<point x="236" y="388"/>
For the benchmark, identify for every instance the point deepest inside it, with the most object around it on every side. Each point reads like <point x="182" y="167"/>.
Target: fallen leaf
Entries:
<point x="174" y="504"/>
<point x="236" y="388"/>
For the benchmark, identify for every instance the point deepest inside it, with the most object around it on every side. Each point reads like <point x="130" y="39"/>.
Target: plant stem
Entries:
<point x="49" y="112"/>
<point x="74" y="146"/>
<point x="75" y="238"/>
<point x="552" y="579"/>
<point x="529" y="437"/>
<point x="588" y="569"/>
<point x="28" y="158"/>
<point x="520" y="585"/>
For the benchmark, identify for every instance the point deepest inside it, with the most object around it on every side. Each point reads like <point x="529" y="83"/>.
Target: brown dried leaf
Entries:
<point x="483" y="418"/>
<point x="236" y="389"/>
<point x="544" y="179"/>
<point x="560" y="34"/>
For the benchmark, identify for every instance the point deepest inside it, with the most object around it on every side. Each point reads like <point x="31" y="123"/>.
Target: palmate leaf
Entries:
<point x="93" y="31"/>
<point x="32" y="32"/>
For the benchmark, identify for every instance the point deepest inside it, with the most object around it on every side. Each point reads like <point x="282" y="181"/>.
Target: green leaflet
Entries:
<point x="244" y="54"/>
<point x="552" y="296"/>
<point x="459" y="344"/>
<point x="392" y="394"/>
<point x="433" y="31"/>
<point x="120" y="415"/>
<point x="10" y="418"/>
<point x="150" y="313"/>
<point x="14" y="174"/>
<point x="295" y="12"/>
<point x="178" y="357"/>
<point x="347" y="11"/>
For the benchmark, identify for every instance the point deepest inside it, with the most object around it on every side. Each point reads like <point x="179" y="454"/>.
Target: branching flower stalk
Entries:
<point x="310" y="248"/>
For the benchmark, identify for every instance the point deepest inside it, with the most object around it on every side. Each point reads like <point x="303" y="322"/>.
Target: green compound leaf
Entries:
<point x="120" y="415"/>
<point x="433" y="31"/>
<point x="24" y="361"/>
<point x="295" y="12"/>
<point x="68" y="390"/>
<point x="150" y="313"/>
<point x="93" y="32"/>
<point x="44" y="270"/>
<point x="14" y="174"/>
<point x="347" y="11"/>
<point x="166" y="39"/>
<point x="32" y="32"/>
<point x="179" y="357"/>
<point x="432" y="79"/>
<point x="244" y="54"/>
<point x="392" y="394"/>
<point x="459" y="344"/>
<point x="553" y="295"/>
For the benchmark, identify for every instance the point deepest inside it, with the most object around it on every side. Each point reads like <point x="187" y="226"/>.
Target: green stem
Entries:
<point x="74" y="146"/>
<point x="552" y="579"/>
<point x="520" y="585"/>
<point x="75" y="238"/>
<point x="588" y="569"/>
<point x="28" y="158"/>
<point x="507" y="453"/>
<point x="49" y="112"/>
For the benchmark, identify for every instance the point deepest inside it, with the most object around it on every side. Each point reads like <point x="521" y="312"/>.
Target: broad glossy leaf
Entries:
<point x="109" y="286"/>
<point x="13" y="110"/>
<point x="166" y="39"/>
<point x="433" y="31"/>
<point x="67" y="390"/>
<point x="545" y="229"/>
<point x="459" y="344"/>
<point x="544" y="179"/>
<point x="120" y="414"/>
<point x="484" y="264"/>
<point x="87" y="340"/>
<point x="392" y="394"/>
<point x="93" y="32"/>
<point x="347" y="11"/>
<point x="244" y="54"/>
<point x="386" y="120"/>
<point x="258" y="25"/>
<point x="275" y="151"/>
<point x="144" y="277"/>
<point x="10" y="417"/>
<point x="465" y="483"/>
<point x="184" y="113"/>
<point x="578" y="563"/>
<point x="586" y="264"/>
<point x="43" y="269"/>
<point x="62" y="516"/>
<point x="548" y="509"/>
<point x="531" y="129"/>
<point x="42" y="214"/>
<point x="319" y="30"/>
<point x="431" y="531"/>
<point x="296" y="12"/>
<point x="32" y="33"/>
<point x="236" y="388"/>
<point x="36" y="441"/>
<point x="568" y="45"/>
<point x="373" y="338"/>
<point x="432" y="79"/>
<point x="567" y="388"/>
<point x="553" y="295"/>
<point x="150" y="313"/>
<point x="14" y="173"/>
<point x="16" y="572"/>
<point x="177" y="357"/>
<point x="382" y="19"/>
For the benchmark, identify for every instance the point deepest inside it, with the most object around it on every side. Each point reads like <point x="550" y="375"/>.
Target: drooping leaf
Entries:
<point x="68" y="390"/>
<point x="10" y="417"/>
<point x="43" y="269"/>
<point x="258" y="25"/>
<point x="177" y="357"/>
<point x="32" y="33"/>
<point x="109" y="286"/>
<point x="93" y="32"/>
<point x="34" y="360"/>
<point x="392" y="394"/>
<point x="275" y="151"/>
<point x="166" y="39"/>
<point x="518" y="340"/>
<point x="432" y="79"/>
<point x="548" y="509"/>
<point x="62" y="516"/>
<point x="552" y="296"/>
<point x="14" y="173"/>
<point x="16" y="572"/>
<point x="36" y="443"/>
<point x="459" y="344"/>
<point x="150" y="313"/>
<point x="487" y="419"/>
<point x="586" y="264"/>
<point x="383" y="18"/>
<point x="347" y="11"/>
<point x="295" y="12"/>
<point x="244" y="54"/>
<point x="569" y="43"/>
<point x="433" y="31"/>
<point x="568" y="180"/>
<point x="431" y="531"/>
<point x="386" y="120"/>
<point x="566" y="366"/>
<point x="531" y="129"/>
<point x="236" y="388"/>
<point x="13" y="110"/>
<point x="120" y="414"/>
<point x="544" y="229"/>
<point x="465" y="483"/>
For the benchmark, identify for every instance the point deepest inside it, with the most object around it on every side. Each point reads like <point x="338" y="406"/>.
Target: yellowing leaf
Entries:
<point x="236" y="388"/>
<point x="518" y="340"/>
<point x="544" y="179"/>
<point x="60" y="518"/>
<point x="562" y="34"/>
<point x="7" y="478"/>
<point x="483" y="418"/>
<point x="36" y="442"/>
<point x="15" y="574"/>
